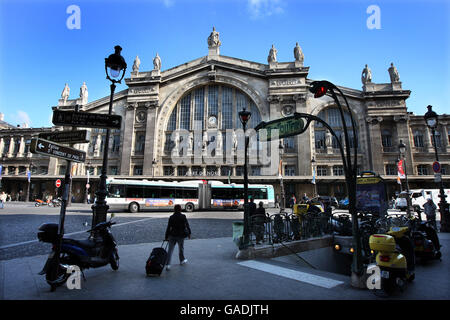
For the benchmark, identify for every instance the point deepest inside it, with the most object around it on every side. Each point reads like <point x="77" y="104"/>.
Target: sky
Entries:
<point x="40" y="50"/>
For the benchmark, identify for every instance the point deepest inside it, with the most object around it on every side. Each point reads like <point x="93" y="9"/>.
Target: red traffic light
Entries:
<point x="321" y="91"/>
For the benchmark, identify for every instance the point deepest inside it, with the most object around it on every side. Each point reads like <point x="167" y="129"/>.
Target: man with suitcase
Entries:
<point x="177" y="230"/>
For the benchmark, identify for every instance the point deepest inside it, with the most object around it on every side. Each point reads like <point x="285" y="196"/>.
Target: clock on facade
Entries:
<point x="212" y="121"/>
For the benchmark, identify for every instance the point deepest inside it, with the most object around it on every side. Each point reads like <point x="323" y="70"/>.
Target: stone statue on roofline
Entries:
<point x="272" y="55"/>
<point x="136" y="64"/>
<point x="393" y="73"/>
<point x="84" y="93"/>
<point x="157" y="62"/>
<point x="65" y="93"/>
<point x="213" y="39"/>
<point x="298" y="54"/>
<point x="366" y="75"/>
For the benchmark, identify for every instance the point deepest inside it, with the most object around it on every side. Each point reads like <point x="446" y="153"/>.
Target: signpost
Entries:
<point x="86" y="119"/>
<point x="74" y="136"/>
<point x="52" y="149"/>
<point x="289" y="126"/>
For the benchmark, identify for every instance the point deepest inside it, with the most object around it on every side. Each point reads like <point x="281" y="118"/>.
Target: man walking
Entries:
<point x="177" y="229"/>
<point x="430" y="211"/>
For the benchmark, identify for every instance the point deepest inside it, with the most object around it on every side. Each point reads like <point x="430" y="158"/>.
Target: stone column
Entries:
<point x="375" y="141"/>
<point x="2" y="145"/>
<point x="21" y="147"/>
<point x="11" y="147"/>
<point x="127" y="139"/>
<point x="149" y="153"/>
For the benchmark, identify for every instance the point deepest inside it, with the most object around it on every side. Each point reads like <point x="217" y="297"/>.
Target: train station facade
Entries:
<point x="172" y="117"/>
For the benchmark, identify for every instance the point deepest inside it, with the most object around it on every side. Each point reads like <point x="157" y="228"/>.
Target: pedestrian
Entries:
<point x="251" y="207"/>
<point x="292" y="201"/>
<point x="430" y="211"/>
<point x="3" y="199"/>
<point x="177" y="230"/>
<point x="305" y="198"/>
<point x="258" y="220"/>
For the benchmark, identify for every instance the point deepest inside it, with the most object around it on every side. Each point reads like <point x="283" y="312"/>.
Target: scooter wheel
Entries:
<point x="114" y="260"/>
<point x="36" y="204"/>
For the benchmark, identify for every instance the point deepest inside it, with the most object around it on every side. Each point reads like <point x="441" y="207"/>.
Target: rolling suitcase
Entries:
<point x="156" y="262"/>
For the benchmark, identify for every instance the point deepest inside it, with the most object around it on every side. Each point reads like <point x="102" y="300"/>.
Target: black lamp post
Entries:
<point x="283" y="195"/>
<point x="115" y="67"/>
<point x="402" y="150"/>
<point x="320" y="88"/>
<point x="431" y="118"/>
<point x="245" y="116"/>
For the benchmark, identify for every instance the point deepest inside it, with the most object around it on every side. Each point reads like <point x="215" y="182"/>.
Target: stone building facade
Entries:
<point x="202" y="98"/>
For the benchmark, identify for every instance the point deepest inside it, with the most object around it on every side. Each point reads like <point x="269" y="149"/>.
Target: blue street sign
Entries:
<point x="29" y="175"/>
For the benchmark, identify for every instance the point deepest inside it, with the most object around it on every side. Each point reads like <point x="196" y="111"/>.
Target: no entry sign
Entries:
<point x="58" y="183"/>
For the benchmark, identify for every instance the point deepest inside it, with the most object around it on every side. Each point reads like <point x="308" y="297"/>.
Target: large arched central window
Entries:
<point x="214" y="107"/>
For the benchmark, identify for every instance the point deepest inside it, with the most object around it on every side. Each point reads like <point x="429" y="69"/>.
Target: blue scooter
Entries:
<point x="91" y="253"/>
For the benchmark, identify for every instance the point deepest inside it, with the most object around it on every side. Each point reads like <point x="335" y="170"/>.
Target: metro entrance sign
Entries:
<point x="75" y="136"/>
<point x="289" y="126"/>
<point x="86" y="119"/>
<point x="52" y="149"/>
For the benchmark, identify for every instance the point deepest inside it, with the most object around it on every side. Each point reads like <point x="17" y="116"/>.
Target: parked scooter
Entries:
<point x="395" y="258"/>
<point x="426" y="240"/>
<point x="39" y="202"/>
<point x="57" y="202"/>
<point x="90" y="253"/>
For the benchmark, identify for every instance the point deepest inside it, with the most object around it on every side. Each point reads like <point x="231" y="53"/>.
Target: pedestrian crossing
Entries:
<point x="300" y="276"/>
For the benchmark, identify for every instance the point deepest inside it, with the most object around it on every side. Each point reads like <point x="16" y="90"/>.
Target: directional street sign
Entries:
<point x="86" y="119"/>
<point x="286" y="127"/>
<point x="52" y="149"/>
<point x="77" y="136"/>
<point x="436" y="167"/>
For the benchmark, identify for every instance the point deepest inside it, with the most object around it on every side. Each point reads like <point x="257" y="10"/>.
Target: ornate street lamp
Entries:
<point x="402" y="150"/>
<point x="431" y="118"/>
<point x="319" y="89"/>
<point x="115" y="67"/>
<point x="245" y="116"/>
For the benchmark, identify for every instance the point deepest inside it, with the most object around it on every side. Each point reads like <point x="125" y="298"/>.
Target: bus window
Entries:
<point x="116" y="191"/>
<point x="135" y="192"/>
<point x="167" y="192"/>
<point x="151" y="192"/>
<point x="190" y="193"/>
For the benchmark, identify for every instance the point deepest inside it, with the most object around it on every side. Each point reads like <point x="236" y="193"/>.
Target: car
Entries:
<point x="327" y="201"/>
<point x="343" y="204"/>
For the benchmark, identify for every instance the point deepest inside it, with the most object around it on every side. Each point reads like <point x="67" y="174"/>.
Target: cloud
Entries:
<point x="21" y="117"/>
<point x="264" y="8"/>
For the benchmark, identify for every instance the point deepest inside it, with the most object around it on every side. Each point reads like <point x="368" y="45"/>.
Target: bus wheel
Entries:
<point x="133" y="207"/>
<point x="189" y="207"/>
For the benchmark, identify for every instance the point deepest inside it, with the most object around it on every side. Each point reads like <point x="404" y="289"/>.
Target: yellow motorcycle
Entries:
<point x="394" y="258"/>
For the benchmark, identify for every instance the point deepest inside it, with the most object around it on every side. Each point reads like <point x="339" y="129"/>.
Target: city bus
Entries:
<point x="140" y="195"/>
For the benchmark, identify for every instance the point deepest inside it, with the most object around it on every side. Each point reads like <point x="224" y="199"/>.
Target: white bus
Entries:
<point x="139" y="195"/>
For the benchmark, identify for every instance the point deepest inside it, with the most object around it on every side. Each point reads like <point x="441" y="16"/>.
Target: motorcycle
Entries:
<point x="394" y="257"/>
<point x="426" y="241"/>
<point x="91" y="253"/>
<point x="39" y="202"/>
<point x="57" y="202"/>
